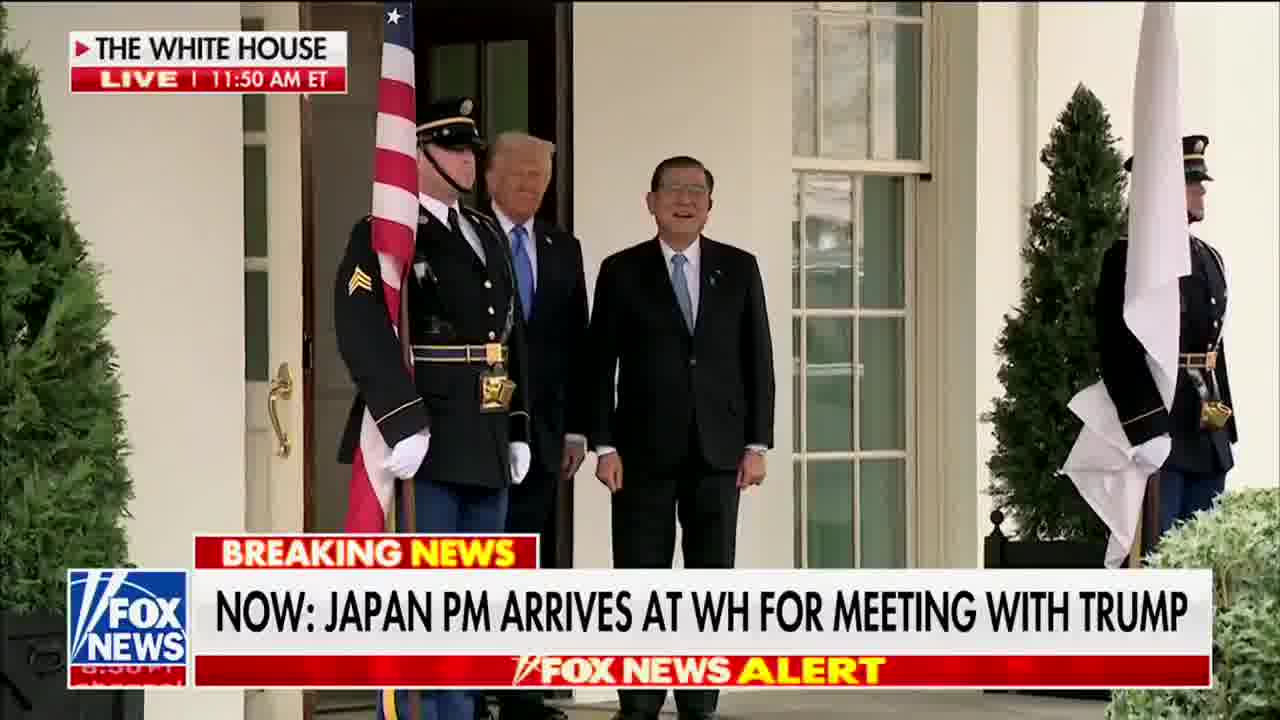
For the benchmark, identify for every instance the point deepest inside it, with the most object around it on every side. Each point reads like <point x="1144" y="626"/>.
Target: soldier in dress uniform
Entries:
<point x="1200" y="429"/>
<point x="459" y="427"/>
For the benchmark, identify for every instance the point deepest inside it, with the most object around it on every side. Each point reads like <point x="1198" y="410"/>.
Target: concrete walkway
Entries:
<point x="879" y="705"/>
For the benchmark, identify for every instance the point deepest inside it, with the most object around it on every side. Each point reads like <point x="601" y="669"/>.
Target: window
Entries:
<point x="255" y="229"/>
<point x="859" y="143"/>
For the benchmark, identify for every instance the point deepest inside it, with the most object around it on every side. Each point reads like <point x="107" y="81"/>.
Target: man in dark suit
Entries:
<point x="681" y="319"/>
<point x="553" y="297"/>
<point x="1197" y="434"/>
<point x="458" y="428"/>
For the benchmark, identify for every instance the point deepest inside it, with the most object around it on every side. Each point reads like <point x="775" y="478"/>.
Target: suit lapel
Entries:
<point x="546" y="265"/>
<point x="708" y="279"/>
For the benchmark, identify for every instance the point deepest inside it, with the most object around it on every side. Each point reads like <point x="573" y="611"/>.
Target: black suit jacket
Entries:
<point x="556" y="335"/>
<point x="1128" y="379"/>
<point x="715" y="385"/>
<point x="453" y="299"/>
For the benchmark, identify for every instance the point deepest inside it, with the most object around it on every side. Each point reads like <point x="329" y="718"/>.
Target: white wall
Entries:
<point x="1230" y="77"/>
<point x="710" y="80"/>
<point x="154" y="184"/>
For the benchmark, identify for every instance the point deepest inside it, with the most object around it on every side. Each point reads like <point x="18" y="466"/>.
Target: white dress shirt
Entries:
<point x="692" y="274"/>
<point x="441" y="213"/>
<point x="530" y="240"/>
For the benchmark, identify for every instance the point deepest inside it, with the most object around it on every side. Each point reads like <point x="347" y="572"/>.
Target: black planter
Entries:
<point x="1001" y="552"/>
<point x="33" y="676"/>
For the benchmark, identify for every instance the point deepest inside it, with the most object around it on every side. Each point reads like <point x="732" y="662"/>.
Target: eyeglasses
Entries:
<point x="698" y="191"/>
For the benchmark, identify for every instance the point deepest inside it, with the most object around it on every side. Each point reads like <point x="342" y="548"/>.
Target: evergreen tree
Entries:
<point x="1048" y="345"/>
<point x="64" y="485"/>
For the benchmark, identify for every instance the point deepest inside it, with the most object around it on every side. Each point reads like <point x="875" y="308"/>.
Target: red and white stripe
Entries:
<point x="395" y="225"/>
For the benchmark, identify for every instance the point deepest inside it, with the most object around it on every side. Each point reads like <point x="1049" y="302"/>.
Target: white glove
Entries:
<point x="1154" y="451"/>
<point x="521" y="455"/>
<point x="408" y="454"/>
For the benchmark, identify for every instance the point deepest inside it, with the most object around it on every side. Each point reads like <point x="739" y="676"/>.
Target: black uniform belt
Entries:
<point x="1198" y="361"/>
<point x="489" y="354"/>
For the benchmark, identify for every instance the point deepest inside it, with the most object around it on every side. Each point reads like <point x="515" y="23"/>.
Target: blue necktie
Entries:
<point x="524" y="268"/>
<point x="681" y="285"/>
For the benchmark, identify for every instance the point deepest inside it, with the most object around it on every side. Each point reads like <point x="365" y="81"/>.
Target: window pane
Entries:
<point x="828" y="207"/>
<point x="844" y="7"/>
<point x="254" y="106"/>
<point x="507" y="89"/>
<point x="882" y="396"/>
<point x="830" y="511"/>
<point x="829" y="384"/>
<point x="255" y="326"/>
<point x="882" y="261"/>
<point x="453" y="71"/>
<point x="795" y="241"/>
<point x="897" y="92"/>
<point x="255" y="201"/>
<point x="882" y="513"/>
<point x="901" y="9"/>
<point x="845" y="96"/>
<point x="804" y="127"/>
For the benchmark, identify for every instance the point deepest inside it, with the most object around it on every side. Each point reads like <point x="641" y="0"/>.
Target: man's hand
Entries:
<point x="609" y="471"/>
<point x="407" y="457"/>
<point x="750" y="469"/>
<point x="521" y="455"/>
<point x="574" y="454"/>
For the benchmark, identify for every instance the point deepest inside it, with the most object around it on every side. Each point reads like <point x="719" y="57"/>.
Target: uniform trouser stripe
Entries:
<point x="389" y="705"/>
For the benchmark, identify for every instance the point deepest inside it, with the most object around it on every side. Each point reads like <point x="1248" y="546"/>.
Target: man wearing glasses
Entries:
<point x="681" y="320"/>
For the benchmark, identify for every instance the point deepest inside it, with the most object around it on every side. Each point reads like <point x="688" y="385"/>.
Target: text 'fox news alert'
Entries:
<point x="127" y="628"/>
<point x="177" y="63"/>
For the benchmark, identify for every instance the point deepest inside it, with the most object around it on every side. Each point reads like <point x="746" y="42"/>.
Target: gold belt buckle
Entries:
<point x="493" y="353"/>
<point x="1211" y="359"/>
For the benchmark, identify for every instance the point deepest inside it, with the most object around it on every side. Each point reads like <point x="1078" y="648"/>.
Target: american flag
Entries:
<point x="395" y="225"/>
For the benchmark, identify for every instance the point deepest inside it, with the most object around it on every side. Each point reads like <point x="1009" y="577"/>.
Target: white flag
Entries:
<point x="1102" y="463"/>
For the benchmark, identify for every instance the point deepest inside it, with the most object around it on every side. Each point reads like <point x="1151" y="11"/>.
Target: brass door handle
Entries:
<point x="281" y="389"/>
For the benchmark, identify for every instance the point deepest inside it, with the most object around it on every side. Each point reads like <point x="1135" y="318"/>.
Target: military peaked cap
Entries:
<point x="1193" y="164"/>
<point x="449" y="123"/>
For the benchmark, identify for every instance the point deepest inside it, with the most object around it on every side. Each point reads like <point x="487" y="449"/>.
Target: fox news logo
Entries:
<point x="127" y="627"/>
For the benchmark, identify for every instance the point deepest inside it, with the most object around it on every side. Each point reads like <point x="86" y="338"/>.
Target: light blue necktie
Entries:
<point x="524" y="268"/>
<point x="681" y="285"/>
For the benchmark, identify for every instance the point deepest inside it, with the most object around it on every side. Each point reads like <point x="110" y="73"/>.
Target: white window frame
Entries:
<point x="858" y="170"/>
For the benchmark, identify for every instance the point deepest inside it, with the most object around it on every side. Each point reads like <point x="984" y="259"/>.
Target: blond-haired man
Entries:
<point x="553" y="298"/>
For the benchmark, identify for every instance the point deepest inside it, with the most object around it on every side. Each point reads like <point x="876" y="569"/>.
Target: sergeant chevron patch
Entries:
<point x="359" y="281"/>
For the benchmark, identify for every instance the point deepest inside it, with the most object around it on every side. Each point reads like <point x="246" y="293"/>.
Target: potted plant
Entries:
<point x="64" y="484"/>
<point x="1048" y="348"/>
<point x="1239" y="539"/>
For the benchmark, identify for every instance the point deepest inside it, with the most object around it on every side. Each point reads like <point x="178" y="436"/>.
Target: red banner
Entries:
<point x="240" y="79"/>
<point x="504" y="671"/>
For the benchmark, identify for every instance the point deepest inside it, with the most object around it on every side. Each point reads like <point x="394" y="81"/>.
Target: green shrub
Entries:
<point x="1048" y="347"/>
<point x="64" y="484"/>
<point x="1239" y="539"/>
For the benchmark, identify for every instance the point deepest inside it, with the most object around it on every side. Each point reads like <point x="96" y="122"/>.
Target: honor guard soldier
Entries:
<point x="1200" y="429"/>
<point x="459" y="427"/>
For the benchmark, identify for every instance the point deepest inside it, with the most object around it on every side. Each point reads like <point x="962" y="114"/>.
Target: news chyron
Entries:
<point x="205" y="63"/>
<point x="127" y="628"/>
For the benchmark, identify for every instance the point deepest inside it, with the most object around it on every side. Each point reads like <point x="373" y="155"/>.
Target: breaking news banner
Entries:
<point x="198" y="63"/>
<point x="439" y="611"/>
